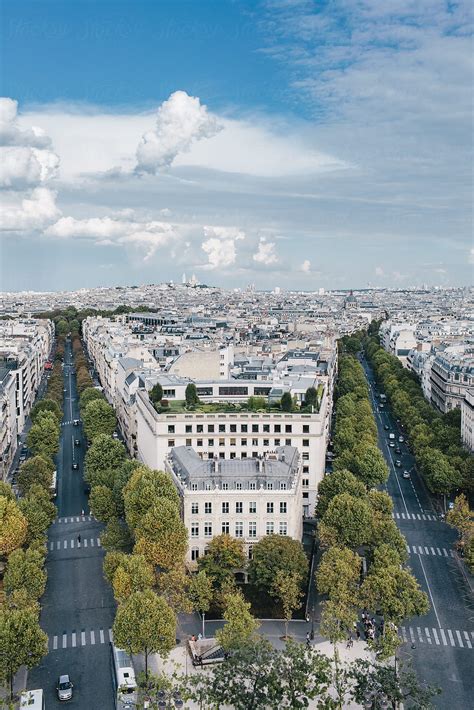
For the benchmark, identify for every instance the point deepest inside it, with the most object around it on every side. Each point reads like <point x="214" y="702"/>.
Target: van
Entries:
<point x="391" y="436"/>
<point x="32" y="699"/>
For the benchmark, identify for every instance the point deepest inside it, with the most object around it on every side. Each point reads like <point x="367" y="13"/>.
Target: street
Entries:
<point x="440" y="643"/>
<point x="78" y="606"/>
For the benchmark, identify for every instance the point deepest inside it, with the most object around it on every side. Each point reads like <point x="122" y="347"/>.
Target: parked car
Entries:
<point x="391" y="444"/>
<point x="401" y="439"/>
<point x="77" y="442"/>
<point x="76" y="422"/>
<point x="64" y="687"/>
<point x="398" y="463"/>
<point x="406" y="474"/>
<point x="75" y="465"/>
<point x="386" y="427"/>
<point x="398" y="450"/>
<point x="115" y="435"/>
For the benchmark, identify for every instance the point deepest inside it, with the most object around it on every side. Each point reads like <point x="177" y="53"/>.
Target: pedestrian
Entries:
<point x="308" y="639"/>
<point x="78" y="539"/>
<point x="364" y="618"/>
<point x="358" y="634"/>
<point x="350" y="641"/>
<point x="82" y="511"/>
<point x="199" y="637"/>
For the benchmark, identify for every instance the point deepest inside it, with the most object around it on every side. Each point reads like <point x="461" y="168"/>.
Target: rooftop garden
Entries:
<point x="192" y="403"/>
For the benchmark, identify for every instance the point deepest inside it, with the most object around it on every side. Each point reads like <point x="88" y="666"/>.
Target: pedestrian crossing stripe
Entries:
<point x="75" y="519"/>
<point x="74" y="543"/>
<point x="69" y="421"/>
<point x="76" y="639"/>
<point x="438" y="637"/>
<point x="414" y="516"/>
<point x="424" y="550"/>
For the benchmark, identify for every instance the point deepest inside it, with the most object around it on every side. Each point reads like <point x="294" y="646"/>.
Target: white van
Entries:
<point x="391" y="436"/>
<point x="32" y="699"/>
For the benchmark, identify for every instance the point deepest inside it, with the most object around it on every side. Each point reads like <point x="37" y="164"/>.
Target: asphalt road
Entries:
<point x="78" y="607"/>
<point x="441" y="643"/>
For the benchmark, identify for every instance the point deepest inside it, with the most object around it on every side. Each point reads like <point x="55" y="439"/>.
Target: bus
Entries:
<point x="32" y="699"/>
<point x="123" y="678"/>
<point x="54" y="485"/>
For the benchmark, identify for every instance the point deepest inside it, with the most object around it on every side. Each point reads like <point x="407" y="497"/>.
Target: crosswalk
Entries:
<point x="414" y="516"/>
<point x="75" y="519"/>
<point x="73" y="543"/>
<point x="429" y="550"/>
<point x="437" y="637"/>
<point x="70" y="421"/>
<point x="78" y="638"/>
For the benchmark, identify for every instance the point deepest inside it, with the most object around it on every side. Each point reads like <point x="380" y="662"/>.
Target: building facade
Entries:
<point x="467" y="420"/>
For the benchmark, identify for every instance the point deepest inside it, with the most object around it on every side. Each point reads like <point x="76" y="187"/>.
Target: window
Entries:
<point x="305" y="442"/>
<point x="207" y="485"/>
<point x="250" y="552"/>
<point x="252" y="529"/>
<point x="232" y="454"/>
<point x="266" y="428"/>
<point x="207" y="529"/>
<point x="277" y="442"/>
<point x="254" y="442"/>
<point x="208" y="508"/>
<point x="252" y="484"/>
<point x="261" y="391"/>
<point x="270" y="528"/>
<point x="222" y="428"/>
<point x="239" y="507"/>
<point x="210" y="428"/>
<point x="243" y="442"/>
<point x="269" y="507"/>
<point x="170" y="443"/>
<point x="305" y="469"/>
<point x="243" y="455"/>
<point x="253" y="507"/>
<point x="225" y="528"/>
<point x="305" y="494"/>
<point x="266" y="442"/>
<point x="283" y="485"/>
<point x="189" y="428"/>
<point x="283" y="508"/>
<point x="283" y="529"/>
<point x="194" y="530"/>
<point x="238" y="486"/>
<point x="194" y="486"/>
<point x="305" y="455"/>
<point x="195" y="508"/>
<point x="225" y="506"/>
<point x="233" y="442"/>
<point x="288" y="428"/>
<point x="210" y="442"/>
<point x="239" y="529"/>
<point x="233" y="391"/>
<point x="254" y="454"/>
<point x="305" y="482"/>
<point x="255" y="428"/>
<point x="195" y="554"/>
<point x="244" y="428"/>
<point x="200" y="428"/>
<point x="221" y="442"/>
<point x="199" y="442"/>
<point x="277" y="428"/>
<point x="189" y="442"/>
<point x="269" y="486"/>
<point x="233" y="428"/>
<point x="305" y="428"/>
<point x="204" y="391"/>
<point x="287" y="442"/>
<point x="170" y="428"/>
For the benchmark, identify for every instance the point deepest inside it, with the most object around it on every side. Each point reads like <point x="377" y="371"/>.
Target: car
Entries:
<point x="398" y="450"/>
<point x="406" y="474"/>
<point x="75" y="465"/>
<point x="64" y="687"/>
<point x="64" y="390"/>
<point x="398" y="463"/>
<point x="77" y="442"/>
<point x="380" y="405"/>
<point x="450" y="505"/>
<point x="386" y="427"/>
<point x="76" y="422"/>
<point x="391" y="444"/>
<point x="401" y="439"/>
<point x="115" y="435"/>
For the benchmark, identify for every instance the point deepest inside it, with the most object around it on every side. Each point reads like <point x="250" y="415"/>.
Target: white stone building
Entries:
<point x="467" y="420"/>
<point x="244" y="498"/>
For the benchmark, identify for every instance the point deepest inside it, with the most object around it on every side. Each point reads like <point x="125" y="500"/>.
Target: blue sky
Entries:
<point x="289" y="142"/>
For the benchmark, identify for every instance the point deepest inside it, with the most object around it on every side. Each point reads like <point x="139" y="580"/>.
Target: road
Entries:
<point x="78" y="606"/>
<point x="440" y="644"/>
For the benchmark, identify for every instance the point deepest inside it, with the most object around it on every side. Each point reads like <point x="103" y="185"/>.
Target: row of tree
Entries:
<point x="355" y="523"/>
<point x="434" y="438"/>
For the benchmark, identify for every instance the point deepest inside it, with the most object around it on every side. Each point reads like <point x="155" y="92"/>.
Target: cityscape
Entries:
<point x="236" y="355"/>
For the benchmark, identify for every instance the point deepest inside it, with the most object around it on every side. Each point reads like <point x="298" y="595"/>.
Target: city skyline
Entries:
<point x="276" y="143"/>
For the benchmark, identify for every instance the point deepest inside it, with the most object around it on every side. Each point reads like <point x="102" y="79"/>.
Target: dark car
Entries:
<point x="77" y="442"/>
<point x="406" y="474"/>
<point x="398" y="463"/>
<point x="386" y="427"/>
<point x="398" y="450"/>
<point x="75" y="465"/>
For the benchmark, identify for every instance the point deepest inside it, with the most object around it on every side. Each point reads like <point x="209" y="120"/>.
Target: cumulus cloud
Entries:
<point x="306" y="266"/>
<point x="12" y="134"/>
<point x="220" y="246"/>
<point x="379" y="271"/>
<point x="181" y="121"/>
<point x="27" y="213"/>
<point x="107" y="231"/>
<point x="265" y="253"/>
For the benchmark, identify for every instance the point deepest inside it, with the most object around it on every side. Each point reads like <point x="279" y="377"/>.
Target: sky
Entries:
<point x="291" y="143"/>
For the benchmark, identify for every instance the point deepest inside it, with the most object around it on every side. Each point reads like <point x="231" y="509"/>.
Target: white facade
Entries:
<point x="8" y="421"/>
<point x="244" y="499"/>
<point x="467" y="420"/>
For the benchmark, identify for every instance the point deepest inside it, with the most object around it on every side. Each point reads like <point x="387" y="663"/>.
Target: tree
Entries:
<point x="143" y="490"/>
<point x="274" y="553"/>
<point x="22" y="642"/>
<point x="25" y="570"/>
<point x="102" y="503"/>
<point x="201" y="593"/>
<point x="311" y="397"/>
<point x="112" y="561"/>
<point x="173" y="586"/>
<point x="13" y="526"/>
<point x="145" y="624"/>
<point x="98" y="418"/>
<point x="303" y="675"/>
<point x="340" y="481"/>
<point x="240" y="626"/>
<point x="45" y="405"/>
<point x="347" y="521"/>
<point x="441" y="477"/>
<point x="39" y="513"/>
<point x="161" y="536"/>
<point x="338" y="574"/>
<point x="225" y="555"/>
<point x="62" y="327"/>
<point x="286" y="402"/>
<point x="287" y="589"/>
<point x="191" y="395"/>
<point x="156" y="393"/>
<point x="366" y="462"/>
<point x="133" y="574"/>
<point x="104" y="456"/>
<point x="461" y="518"/>
<point x="43" y="437"/>
<point x="89" y="394"/>
<point x="397" y="687"/>
<point x="116" y="536"/>
<point x="6" y="491"/>
<point x="35" y="471"/>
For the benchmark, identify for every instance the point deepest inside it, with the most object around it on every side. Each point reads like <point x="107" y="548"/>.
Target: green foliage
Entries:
<point x="22" y="642"/>
<point x="340" y="481"/>
<point x="89" y="394"/>
<point x="156" y="393"/>
<point x="104" y="456"/>
<point x="43" y="437"/>
<point x="116" y="536"/>
<point x="161" y="535"/>
<point x="240" y="626"/>
<point x="46" y="405"/>
<point x="366" y="462"/>
<point x="287" y="589"/>
<point x="132" y="574"/>
<point x="6" y="491"/>
<point x="191" y="395"/>
<point x="286" y="402"/>
<point x="273" y="554"/>
<point x="25" y="571"/>
<point x="347" y="521"/>
<point x="143" y="490"/>
<point x="13" y="526"/>
<point x="311" y="397"/>
<point x="36" y="471"/>
<point x="225" y="555"/>
<point x="338" y="573"/>
<point x="256" y="403"/>
<point x="173" y="586"/>
<point x="39" y="513"/>
<point x="102" y="503"/>
<point x="98" y="418"/>
<point x="201" y="592"/>
<point x="400" y="687"/>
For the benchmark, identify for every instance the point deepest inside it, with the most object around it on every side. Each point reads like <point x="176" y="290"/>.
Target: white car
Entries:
<point x="406" y="474"/>
<point x="64" y="688"/>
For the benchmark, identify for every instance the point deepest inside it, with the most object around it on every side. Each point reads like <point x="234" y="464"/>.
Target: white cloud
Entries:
<point x="379" y="271"/>
<point x="33" y="212"/>
<point x="471" y="256"/>
<point x="220" y="246"/>
<point x="265" y="253"/>
<point x="11" y="132"/>
<point x="111" y="231"/>
<point x="181" y="121"/>
<point x="22" y="167"/>
<point x="306" y="266"/>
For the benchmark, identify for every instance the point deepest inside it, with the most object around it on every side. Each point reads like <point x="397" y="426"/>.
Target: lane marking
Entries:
<point x="459" y="639"/>
<point x="466" y="636"/>
<point x="55" y="643"/>
<point x="92" y="638"/>
<point x="435" y="636"/>
<point x="429" y="592"/>
<point x="73" y="639"/>
<point x="83" y="638"/>
<point x="451" y="638"/>
<point x="427" y="632"/>
<point x="110" y="636"/>
<point x="101" y="635"/>
<point x="64" y="640"/>
<point x="443" y="637"/>
<point x="420" y="637"/>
